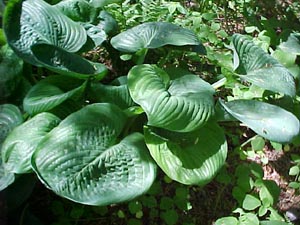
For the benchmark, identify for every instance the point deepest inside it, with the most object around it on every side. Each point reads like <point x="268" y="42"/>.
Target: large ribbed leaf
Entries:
<point x="11" y="68"/>
<point x="82" y="159"/>
<point x="189" y="158"/>
<point x="183" y="104"/>
<point x="117" y="92"/>
<point x="34" y="21"/>
<point x="6" y="178"/>
<point x="50" y="92"/>
<point x="10" y="117"/>
<point x="96" y="21"/>
<point x="22" y="141"/>
<point x="153" y="35"/>
<point x="269" y="121"/>
<point x="256" y="66"/>
<point x="66" y="63"/>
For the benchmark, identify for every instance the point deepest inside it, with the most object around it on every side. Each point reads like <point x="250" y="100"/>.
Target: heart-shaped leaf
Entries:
<point x="51" y="92"/>
<point x="82" y="160"/>
<point x="117" y="92"/>
<point x="256" y="66"/>
<point x="66" y="63"/>
<point x="153" y="35"/>
<point x="189" y="158"/>
<point x="29" y="22"/>
<point x="22" y="141"/>
<point x="269" y="121"/>
<point x="251" y="202"/>
<point x="183" y="104"/>
<point x="10" y="117"/>
<point x="11" y="68"/>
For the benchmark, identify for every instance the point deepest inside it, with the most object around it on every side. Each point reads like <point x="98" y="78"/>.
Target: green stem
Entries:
<point x="248" y="141"/>
<point x="219" y="83"/>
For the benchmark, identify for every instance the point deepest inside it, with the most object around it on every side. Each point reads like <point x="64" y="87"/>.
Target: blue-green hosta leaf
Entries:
<point x="30" y="22"/>
<point x="66" y="63"/>
<point x="117" y="93"/>
<point x="96" y="33"/>
<point x="292" y="45"/>
<point x="11" y="68"/>
<point x="153" y="35"/>
<point x="269" y="121"/>
<point x="108" y="23"/>
<point x="23" y="140"/>
<point x="189" y="158"/>
<point x="78" y="10"/>
<point x="6" y="178"/>
<point x="10" y="117"/>
<point x="82" y="159"/>
<point x="256" y="66"/>
<point x="183" y="104"/>
<point x="49" y="93"/>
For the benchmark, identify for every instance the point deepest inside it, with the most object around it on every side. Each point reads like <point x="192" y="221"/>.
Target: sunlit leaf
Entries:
<point x="10" y="117"/>
<point x="189" y="158"/>
<point x="83" y="160"/>
<point x="230" y="220"/>
<point x="29" y="22"/>
<point x="251" y="202"/>
<point x="153" y="35"/>
<point x="256" y="66"/>
<point x="22" y="141"/>
<point x="183" y="104"/>
<point x="269" y="121"/>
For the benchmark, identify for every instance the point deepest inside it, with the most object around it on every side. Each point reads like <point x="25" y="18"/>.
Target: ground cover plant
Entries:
<point x="106" y="104"/>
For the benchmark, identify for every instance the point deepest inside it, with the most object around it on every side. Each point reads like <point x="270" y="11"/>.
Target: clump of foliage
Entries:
<point x="99" y="140"/>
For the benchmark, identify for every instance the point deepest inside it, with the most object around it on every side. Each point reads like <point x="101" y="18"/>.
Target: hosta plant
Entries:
<point x="98" y="140"/>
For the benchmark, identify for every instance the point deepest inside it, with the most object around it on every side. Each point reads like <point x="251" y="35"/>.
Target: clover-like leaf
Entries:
<point x="83" y="160"/>
<point x="189" y="158"/>
<point x="183" y="104"/>
<point x="256" y="66"/>
<point x="50" y="92"/>
<point x="22" y="141"/>
<point x="116" y="92"/>
<point x="30" y="22"/>
<point x="11" y="68"/>
<point x="10" y="117"/>
<point x="153" y="35"/>
<point x="269" y="121"/>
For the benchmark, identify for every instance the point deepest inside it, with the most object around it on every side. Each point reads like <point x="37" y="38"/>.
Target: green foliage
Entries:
<point x="95" y="133"/>
<point x="196" y="157"/>
<point x="168" y="103"/>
